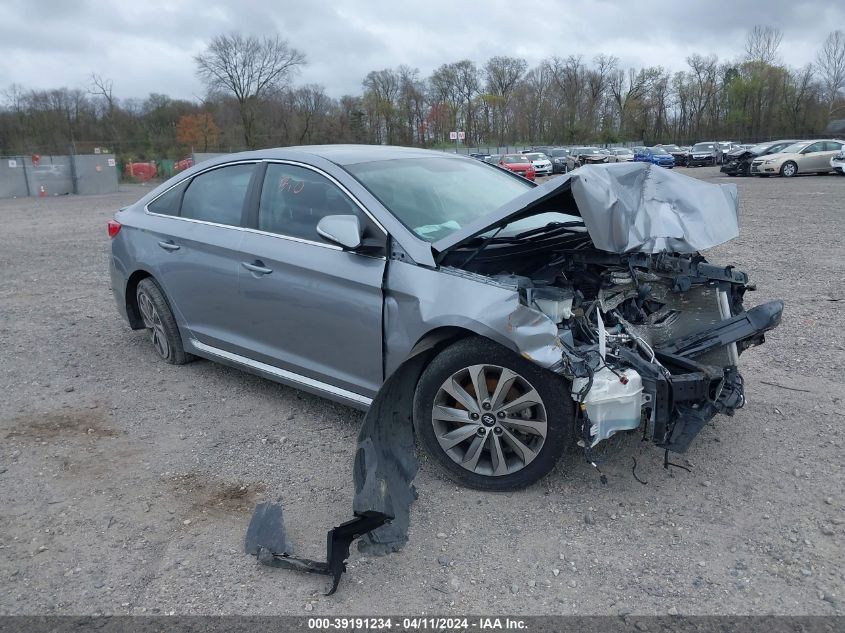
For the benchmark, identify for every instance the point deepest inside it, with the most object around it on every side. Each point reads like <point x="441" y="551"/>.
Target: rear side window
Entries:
<point x="168" y="202"/>
<point x="832" y="146"/>
<point x="295" y="199"/>
<point x="218" y="196"/>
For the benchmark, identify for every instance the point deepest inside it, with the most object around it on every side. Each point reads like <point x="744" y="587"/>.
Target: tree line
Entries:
<point x="253" y="101"/>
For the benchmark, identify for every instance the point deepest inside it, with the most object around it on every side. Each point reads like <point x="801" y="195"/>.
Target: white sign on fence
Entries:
<point x="453" y="136"/>
<point x="462" y="135"/>
<point x="96" y="150"/>
<point x="13" y="164"/>
<point x="111" y="162"/>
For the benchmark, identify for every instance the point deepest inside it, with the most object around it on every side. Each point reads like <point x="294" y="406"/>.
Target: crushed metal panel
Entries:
<point x="642" y="207"/>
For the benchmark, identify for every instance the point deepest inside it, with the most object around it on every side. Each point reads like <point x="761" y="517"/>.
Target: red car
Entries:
<point x="518" y="164"/>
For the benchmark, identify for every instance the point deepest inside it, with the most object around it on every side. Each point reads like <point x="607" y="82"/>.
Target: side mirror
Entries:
<point x="341" y="229"/>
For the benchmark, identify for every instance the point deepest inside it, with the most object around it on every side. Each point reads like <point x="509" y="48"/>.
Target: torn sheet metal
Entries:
<point x="626" y="207"/>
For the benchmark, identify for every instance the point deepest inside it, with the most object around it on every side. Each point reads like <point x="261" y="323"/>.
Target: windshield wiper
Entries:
<point x="549" y="230"/>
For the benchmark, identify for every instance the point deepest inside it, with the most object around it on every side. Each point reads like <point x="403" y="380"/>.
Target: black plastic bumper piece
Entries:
<point x="747" y="325"/>
<point x="267" y="540"/>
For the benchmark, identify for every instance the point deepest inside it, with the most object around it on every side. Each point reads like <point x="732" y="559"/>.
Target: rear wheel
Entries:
<point x="490" y="418"/>
<point x="788" y="169"/>
<point x="158" y="319"/>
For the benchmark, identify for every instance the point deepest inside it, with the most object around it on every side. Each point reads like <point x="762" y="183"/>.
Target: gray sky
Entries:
<point x="148" y="46"/>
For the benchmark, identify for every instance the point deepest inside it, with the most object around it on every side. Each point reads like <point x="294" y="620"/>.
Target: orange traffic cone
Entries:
<point x="42" y="192"/>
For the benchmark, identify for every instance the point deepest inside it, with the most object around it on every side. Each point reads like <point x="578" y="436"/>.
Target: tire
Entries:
<point x="496" y="437"/>
<point x="788" y="169"/>
<point x="159" y="321"/>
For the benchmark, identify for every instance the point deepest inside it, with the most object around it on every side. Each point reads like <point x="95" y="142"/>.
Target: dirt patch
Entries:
<point x="210" y="495"/>
<point x="89" y="423"/>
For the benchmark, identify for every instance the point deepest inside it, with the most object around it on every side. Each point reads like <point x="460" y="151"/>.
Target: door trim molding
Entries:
<point x="282" y="374"/>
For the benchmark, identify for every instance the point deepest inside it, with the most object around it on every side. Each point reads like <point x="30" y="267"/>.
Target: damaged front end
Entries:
<point x="648" y="331"/>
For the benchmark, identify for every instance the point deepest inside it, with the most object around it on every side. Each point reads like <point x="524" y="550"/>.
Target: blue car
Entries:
<point x="656" y="155"/>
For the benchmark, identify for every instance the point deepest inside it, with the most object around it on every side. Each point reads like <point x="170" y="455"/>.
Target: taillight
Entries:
<point x="114" y="228"/>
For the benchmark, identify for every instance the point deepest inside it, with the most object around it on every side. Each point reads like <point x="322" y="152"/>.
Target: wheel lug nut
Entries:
<point x="473" y="416"/>
<point x="498" y="430"/>
<point x="501" y="414"/>
<point x="481" y="431"/>
<point x="486" y="406"/>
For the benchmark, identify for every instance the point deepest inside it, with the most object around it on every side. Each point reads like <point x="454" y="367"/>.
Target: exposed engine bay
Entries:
<point x="651" y="339"/>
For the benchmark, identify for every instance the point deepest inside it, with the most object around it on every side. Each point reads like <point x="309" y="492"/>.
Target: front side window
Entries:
<point x="815" y="147"/>
<point x="218" y="195"/>
<point x="295" y="199"/>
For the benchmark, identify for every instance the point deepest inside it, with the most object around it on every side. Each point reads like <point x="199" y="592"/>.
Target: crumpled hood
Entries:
<point x="626" y="207"/>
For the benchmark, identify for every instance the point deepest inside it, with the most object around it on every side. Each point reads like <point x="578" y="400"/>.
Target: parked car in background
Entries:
<point x="656" y="156"/>
<point x="738" y="160"/>
<point x="838" y="162"/>
<point x="518" y="164"/>
<point x="558" y="157"/>
<point x="623" y="154"/>
<point x="493" y="159"/>
<point x="803" y="157"/>
<point x="611" y="157"/>
<point x="478" y="155"/>
<point x="724" y="148"/>
<point x="542" y="163"/>
<point x="585" y="156"/>
<point x="700" y="154"/>
<point x="678" y="153"/>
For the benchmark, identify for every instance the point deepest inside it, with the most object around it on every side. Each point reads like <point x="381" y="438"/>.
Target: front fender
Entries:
<point x="421" y="301"/>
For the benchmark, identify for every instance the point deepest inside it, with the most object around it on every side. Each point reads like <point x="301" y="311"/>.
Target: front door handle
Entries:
<point x="169" y="246"/>
<point x="258" y="267"/>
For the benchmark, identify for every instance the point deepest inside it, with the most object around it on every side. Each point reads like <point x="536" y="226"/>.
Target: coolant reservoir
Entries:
<point x="611" y="405"/>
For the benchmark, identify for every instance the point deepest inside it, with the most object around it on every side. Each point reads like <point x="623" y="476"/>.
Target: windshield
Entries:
<point x="537" y="156"/>
<point x="794" y="148"/>
<point x="559" y="152"/>
<point x="587" y="150"/>
<point x="621" y="151"/>
<point x="437" y="196"/>
<point x="671" y="148"/>
<point x="511" y="160"/>
<point x="703" y="147"/>
<point x="658" y="150"/>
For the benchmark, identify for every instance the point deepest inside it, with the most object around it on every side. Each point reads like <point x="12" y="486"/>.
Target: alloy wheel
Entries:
<point x="152" y="321"/>
<point x="489" y="420"/>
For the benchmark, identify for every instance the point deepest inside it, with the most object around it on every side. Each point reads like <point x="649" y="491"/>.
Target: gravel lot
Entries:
<point x="126" y="484"/>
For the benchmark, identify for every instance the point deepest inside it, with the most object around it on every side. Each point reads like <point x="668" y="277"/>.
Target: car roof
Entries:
<point x="343" y="154"/>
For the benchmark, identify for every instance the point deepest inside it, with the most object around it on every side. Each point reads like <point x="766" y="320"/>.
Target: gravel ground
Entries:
<point x="126" y="484"/>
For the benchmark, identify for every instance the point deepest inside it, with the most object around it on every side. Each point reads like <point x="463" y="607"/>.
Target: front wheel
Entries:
<point x="490" y="418"/>
<point x="788" y="169"/>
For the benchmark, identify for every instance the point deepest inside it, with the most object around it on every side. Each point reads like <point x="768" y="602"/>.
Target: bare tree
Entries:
<point x="762" y="44"/>
<point x="502" y="75"/>
<point x="103" y="88"/>
<point x="830" y="62"/>
<point x="249" y="69"/>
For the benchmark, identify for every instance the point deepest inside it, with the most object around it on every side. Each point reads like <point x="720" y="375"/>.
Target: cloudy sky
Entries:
<point x="148" y="46"/>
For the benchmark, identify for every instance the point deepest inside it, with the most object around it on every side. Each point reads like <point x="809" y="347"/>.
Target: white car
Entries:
<point x="838" y="163"/>
<point x="541" y="162"/>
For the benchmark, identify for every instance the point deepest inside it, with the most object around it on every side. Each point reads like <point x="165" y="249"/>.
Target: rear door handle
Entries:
<point x="258" y="267"/>
<point x="169" y="246"/>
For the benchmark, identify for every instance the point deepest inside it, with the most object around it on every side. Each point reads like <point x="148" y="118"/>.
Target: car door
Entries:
<point x="309" y="306"/>
<point x="811" y="158"/>
<point x="200" y="256"/>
